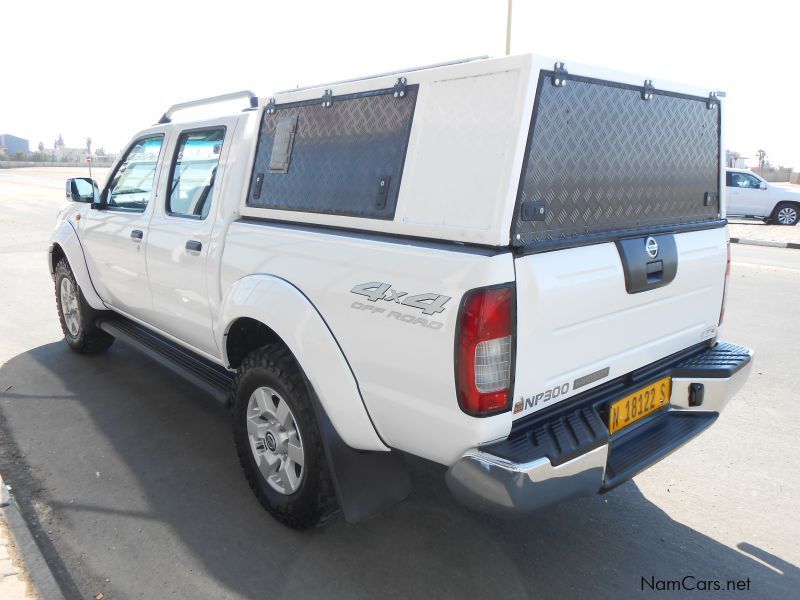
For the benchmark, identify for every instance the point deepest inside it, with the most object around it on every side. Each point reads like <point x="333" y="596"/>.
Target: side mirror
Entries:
<point x="82" y="189"/>
<point x="762" y="186"/>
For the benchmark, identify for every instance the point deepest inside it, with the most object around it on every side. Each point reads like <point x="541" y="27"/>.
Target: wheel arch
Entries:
<point x="64" y="243"/>
<point x="261" y="309"/>
<point x="55" y="255"/>
<point x="244" y="335"/>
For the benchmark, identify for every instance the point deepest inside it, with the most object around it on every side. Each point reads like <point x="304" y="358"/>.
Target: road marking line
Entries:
<point x="766" y="267"/>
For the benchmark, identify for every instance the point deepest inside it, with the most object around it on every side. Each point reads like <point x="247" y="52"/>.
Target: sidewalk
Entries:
<point x="744" y="232"/>
<point x="14" y="582"/>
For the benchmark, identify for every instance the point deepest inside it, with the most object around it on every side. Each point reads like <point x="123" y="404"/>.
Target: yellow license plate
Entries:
<point x="639" y="404"/>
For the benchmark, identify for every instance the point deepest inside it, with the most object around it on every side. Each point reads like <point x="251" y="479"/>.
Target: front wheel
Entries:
<point x="786" y="213"/>
<point x="76" y="316"/>
<point x="278" y="440"/>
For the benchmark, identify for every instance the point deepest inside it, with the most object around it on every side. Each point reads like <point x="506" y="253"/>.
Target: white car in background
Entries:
<point x="750" y="197"/>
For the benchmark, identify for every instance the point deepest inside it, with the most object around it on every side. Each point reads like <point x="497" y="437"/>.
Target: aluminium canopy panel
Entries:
<point x="345" y="158"/>
<point x="603" y="160"/>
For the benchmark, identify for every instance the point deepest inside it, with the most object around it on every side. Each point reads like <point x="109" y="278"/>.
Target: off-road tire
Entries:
<point x="88" y="339"/>
<point x="773" y="219"/>
<point x="314" y="502"/>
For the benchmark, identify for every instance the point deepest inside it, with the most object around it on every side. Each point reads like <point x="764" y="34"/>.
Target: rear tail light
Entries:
<point x="725" y="286"/>
<point x="485" y="351"/>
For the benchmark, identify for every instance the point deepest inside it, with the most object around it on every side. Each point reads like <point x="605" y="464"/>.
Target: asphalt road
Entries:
<point x="130" y="479"/>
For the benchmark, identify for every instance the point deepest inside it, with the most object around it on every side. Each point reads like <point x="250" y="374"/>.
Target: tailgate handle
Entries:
<point x="655" y="271"/>
<point x="648" y="262"/>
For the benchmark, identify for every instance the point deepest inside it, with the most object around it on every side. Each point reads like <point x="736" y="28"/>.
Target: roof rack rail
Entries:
<point x="167" y="116"/>
<point x="422" y="68"/>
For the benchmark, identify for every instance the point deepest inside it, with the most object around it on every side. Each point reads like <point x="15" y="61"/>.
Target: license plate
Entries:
<point x="639" y="404"/>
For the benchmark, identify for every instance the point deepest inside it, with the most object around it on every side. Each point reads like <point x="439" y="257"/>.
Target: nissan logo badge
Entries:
<point x="651" y="247"/>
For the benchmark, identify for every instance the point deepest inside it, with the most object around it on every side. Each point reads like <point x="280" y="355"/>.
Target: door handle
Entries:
<point x="137" y="234"/>
<point x="194" y="245"/>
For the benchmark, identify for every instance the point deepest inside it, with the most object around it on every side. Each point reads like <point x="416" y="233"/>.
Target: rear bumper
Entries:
<point x="569" y="452"/>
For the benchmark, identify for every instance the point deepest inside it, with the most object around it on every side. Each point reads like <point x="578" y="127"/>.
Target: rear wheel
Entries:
<point x="76" y="316"/>
<point x="786" y="213"/>
<point x="278" y="440"/>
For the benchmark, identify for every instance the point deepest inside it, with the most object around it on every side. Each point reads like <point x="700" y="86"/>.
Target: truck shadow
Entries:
<point x="134" y="476"/>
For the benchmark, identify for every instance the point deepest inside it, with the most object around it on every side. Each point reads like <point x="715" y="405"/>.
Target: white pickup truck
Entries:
<point x="751" y="197"/>
<point x="514" y="268"/>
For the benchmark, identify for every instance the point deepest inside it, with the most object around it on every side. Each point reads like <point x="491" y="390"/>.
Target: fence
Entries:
<point x="773" y="174"/>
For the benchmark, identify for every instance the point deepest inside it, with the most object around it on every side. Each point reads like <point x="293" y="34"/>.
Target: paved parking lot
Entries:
<point x="129" y="478"/>
<point x="758" y="231"/>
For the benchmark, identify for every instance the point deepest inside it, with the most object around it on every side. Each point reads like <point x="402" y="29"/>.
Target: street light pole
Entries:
<point x="508" y="30"/>
<point x="89" y="152"/>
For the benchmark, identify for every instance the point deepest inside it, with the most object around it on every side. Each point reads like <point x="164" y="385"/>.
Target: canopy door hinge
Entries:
<point x="400" y="87"/>
<point x="560" y="73"/>
<point x="648" y="90"/>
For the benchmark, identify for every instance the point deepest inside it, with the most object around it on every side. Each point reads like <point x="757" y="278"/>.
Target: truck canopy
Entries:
<point x="491" y="152"/>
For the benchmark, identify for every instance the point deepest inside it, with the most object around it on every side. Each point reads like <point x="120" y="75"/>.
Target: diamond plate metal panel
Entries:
<point x="339" y="156"/>
<point x="601" y="159"/>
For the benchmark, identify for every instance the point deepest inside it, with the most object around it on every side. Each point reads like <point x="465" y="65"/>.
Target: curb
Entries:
<point x="36" y="566"/>
<point x="765" y="243"/>
<point x="5" y="497"/>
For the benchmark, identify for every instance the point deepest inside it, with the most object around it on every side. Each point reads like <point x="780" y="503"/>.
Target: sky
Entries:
<point x="105" y="69"/>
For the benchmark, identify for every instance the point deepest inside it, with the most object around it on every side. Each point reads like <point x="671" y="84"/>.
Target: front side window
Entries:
<point x="743" y="180"/>
<point x="132" y="185"/>
<point x="193" y="173"/>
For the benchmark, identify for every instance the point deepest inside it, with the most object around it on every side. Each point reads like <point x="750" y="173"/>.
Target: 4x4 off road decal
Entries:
<point x="429" y="304"/>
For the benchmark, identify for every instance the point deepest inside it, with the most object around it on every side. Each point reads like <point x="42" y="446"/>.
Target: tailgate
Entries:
<point x="621" y="249"/>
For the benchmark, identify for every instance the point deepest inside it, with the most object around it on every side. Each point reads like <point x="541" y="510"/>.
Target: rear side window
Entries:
<point x="342" y="159"/>
<point x="194" y="171"/>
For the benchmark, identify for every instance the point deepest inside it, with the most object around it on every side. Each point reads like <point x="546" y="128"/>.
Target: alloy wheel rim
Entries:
<point x="275" y="440"/>
<point x="69" y="307"/>
<point x="787" y="215"/>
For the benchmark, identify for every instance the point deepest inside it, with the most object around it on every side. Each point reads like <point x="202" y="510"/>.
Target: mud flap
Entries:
<point x="366" y="482"/>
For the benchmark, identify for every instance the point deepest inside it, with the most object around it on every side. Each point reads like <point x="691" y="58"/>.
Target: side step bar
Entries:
<point x="208" y="376"/>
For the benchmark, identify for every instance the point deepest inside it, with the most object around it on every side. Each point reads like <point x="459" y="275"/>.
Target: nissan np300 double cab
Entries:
<point x="514" y="267"/>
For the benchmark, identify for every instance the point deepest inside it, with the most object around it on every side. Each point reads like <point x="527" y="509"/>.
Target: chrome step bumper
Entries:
<point x="572" y="454"/>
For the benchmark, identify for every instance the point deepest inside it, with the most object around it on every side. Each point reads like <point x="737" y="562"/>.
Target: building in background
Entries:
<point x="735" y="160"/>
<point x="15" y="149"/>
<point x="63" y="154"/>
<point x="11" y="144"/>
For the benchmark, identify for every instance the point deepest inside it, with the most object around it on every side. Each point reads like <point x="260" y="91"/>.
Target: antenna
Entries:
<point x="89" y="155"/>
